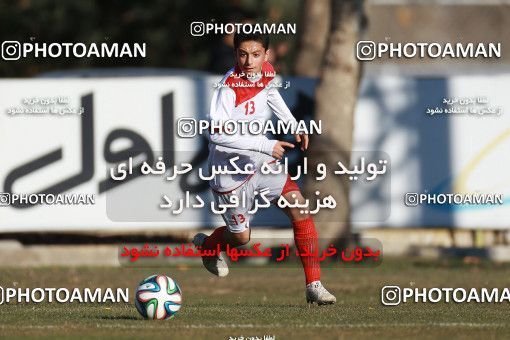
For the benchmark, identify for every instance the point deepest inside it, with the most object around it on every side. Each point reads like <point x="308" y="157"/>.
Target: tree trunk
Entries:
<point x="315" y="22"/>
<point x="336" y="97"/>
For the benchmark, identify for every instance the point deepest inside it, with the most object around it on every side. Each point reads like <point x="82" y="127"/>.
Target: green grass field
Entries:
<point x="258" y="301"/>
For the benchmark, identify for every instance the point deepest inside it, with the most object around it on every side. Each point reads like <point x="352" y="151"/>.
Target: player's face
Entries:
<point x="250" y="55"/>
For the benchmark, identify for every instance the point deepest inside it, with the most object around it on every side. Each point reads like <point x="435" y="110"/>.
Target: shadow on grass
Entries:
<point x="118" y="317"/>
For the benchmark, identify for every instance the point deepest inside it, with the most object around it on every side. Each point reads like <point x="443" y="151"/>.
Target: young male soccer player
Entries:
<point x="248" y="98"/>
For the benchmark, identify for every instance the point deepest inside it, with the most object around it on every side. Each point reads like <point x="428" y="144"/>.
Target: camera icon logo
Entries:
<point x="5" y="199"/>
<point x="411" y="199"/>
<point x="197" y="28"/>
<point x="11" y="50"/>
<point x="390" y="295"/>
<point x="186" y="127"/>
<point x="365" y="50"/>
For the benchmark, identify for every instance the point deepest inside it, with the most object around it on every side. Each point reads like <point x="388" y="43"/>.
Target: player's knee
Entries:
<point x="294" y="196"/>
<point x="240" y="239"/>
<point x="297" y="214"/>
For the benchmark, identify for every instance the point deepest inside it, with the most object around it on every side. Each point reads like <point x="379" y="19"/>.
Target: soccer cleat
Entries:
<point x="217" y="264"/>
<point x="316" y="293"/>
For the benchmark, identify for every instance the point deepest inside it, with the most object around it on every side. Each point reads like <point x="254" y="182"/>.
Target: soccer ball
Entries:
<point x="158" y="297"/>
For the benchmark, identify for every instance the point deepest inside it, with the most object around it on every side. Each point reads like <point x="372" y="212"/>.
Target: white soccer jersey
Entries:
<point x="241" y="99"/>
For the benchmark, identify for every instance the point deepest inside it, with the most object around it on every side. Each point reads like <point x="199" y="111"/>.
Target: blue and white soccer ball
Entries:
<point x="158" y="297"/>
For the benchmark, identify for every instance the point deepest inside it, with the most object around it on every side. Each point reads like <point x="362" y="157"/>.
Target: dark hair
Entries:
<point x="261" y="38"/>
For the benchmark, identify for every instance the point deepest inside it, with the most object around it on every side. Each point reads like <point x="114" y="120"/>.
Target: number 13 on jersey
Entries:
<point x="250" y="107"/>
